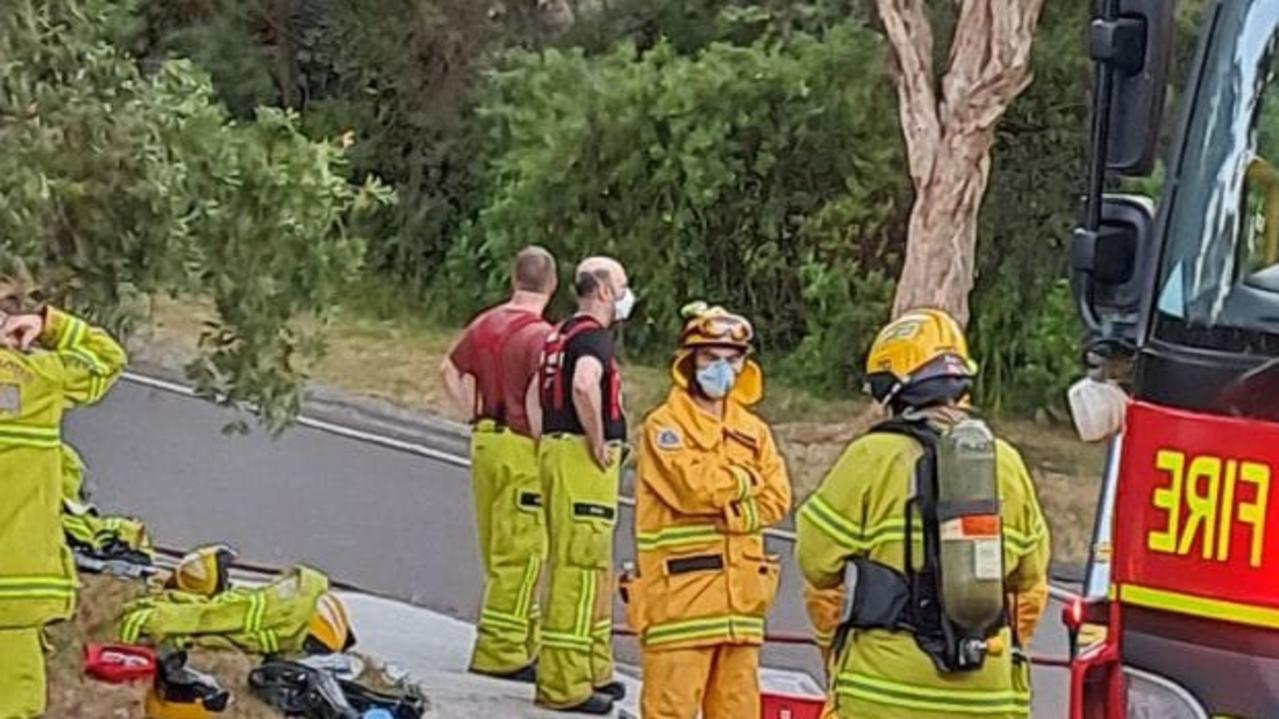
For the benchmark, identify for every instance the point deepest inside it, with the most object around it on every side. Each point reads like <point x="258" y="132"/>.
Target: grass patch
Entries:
<point x="381" y="347"/>
<point x="72" y="695"/>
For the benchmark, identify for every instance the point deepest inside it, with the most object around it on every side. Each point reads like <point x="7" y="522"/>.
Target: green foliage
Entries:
<point x="1024" y="329"/>
<point x="759" y="176"/>
<point x="115" y="185"/>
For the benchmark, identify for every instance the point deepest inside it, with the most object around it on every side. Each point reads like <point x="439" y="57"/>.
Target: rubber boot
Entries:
<point x="616" y="690"/>
<point x="597" y="704"/>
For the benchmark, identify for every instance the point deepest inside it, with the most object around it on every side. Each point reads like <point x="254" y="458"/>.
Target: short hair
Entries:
<point x="533" y="270"/>
<point x="587" y="282"/>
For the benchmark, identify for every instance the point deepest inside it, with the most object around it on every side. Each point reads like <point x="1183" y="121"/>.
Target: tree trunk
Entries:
<point x="942" y="249"/>
<point x="949" y="135"/>
<point x="280" y="16"/>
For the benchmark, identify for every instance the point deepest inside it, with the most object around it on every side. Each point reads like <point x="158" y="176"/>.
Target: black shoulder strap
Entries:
<point x="922" y="579"/>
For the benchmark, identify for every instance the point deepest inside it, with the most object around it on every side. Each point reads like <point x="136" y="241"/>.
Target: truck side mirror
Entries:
<point x="1132" y="45"/>
<point x="1104" y="266"/>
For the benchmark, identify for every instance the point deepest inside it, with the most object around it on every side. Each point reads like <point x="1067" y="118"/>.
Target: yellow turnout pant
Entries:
<point x="719" y="681"/>
<point x="512" y="537"/>
<point x="581" y="510"/>
<point x="23" y="687"/>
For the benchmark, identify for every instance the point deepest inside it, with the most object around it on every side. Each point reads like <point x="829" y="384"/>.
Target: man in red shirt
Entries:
<point x="490" y="374"/>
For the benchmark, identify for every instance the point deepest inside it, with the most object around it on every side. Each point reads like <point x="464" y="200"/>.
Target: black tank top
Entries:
<point x="578" y="337"/>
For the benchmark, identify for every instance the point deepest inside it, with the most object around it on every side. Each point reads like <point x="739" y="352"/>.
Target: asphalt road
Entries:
<point x="388" y="520"/>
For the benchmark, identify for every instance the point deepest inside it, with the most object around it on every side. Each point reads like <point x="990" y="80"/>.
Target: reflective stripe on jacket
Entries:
<point x="73" y="364"/>
<point x="705" y="490"/>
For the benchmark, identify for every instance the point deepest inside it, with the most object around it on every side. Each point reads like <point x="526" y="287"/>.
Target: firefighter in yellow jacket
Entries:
<point x="710" y="480"/>
<point x="49" y="361"/>
<point x="887" y="651"/>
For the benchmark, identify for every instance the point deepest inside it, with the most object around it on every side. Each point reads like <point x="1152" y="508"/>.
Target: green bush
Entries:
<point x="764" y="177"/>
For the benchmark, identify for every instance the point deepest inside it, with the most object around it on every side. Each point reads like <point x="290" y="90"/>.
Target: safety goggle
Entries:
<point x="726" y="327"/>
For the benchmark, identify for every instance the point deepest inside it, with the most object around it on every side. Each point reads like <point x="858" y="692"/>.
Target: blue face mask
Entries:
<point x="717" y="378"/>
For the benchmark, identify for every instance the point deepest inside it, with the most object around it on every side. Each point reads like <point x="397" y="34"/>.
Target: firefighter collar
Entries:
<point x="684" y="423"/>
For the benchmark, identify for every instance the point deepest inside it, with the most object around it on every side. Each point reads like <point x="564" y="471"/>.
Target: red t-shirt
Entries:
<point x="500" y="349"/>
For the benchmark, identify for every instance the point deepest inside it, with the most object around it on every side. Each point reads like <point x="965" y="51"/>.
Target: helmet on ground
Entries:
<point x="204" y="571"/>
<point x="329" y="630"/>
<point x="713" y="326"/>
<point x="920" y="360"/>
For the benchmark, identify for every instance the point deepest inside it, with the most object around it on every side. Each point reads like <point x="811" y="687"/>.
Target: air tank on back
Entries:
<point x="972" y="558"/>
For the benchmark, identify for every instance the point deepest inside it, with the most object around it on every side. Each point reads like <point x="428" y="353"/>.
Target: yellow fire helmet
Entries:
<point x="329" y="631"/>
<point x="204" y="571"/>
<point x="920" y="359"/>
<point x="714" y="326"/>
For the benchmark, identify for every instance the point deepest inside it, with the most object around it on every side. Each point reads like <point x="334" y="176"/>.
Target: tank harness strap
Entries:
<point x="909" y="600"/>
<point x="491" y="343"/>
<point x="551" y="367"/>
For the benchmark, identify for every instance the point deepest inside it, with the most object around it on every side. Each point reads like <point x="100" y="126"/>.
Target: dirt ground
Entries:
<point x="72" y="695"/>
<point x="394" y="356"/>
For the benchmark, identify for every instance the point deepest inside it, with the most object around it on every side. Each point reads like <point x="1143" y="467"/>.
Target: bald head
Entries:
<point x="596" y="273"/>
<point x="534" y="271"/>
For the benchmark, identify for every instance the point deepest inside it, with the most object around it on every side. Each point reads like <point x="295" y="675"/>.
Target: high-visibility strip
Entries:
<point x="832" y="523"/>
<point x="29" y="436"/>
<point x="587" y="610"/>
<point x="35" y="591"/>
<point x="1196" y="606"/>
<point x="131" y="630"/>
<point x="72" y="333"/>
<point x="877" y="690"/>
<point x="559" y="640"/>
<point x="824" y="639"/>
<point x="678" y="536"/>
<point x="16" y="583"/>
<point x="704" y="628"/>
<point x="604" y="627"/>
<point x="531" y="569"/>
<point x="90" y="359"/>
<point x="268" y="641"/>
<point x="1023" y="543"/>
<point x="498" y="620"/>
<point x="743" y="483"/>
<point x="887" y="531"/>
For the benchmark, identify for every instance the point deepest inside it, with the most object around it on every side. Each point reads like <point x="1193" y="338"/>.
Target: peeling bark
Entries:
<point x="948" y="138"/>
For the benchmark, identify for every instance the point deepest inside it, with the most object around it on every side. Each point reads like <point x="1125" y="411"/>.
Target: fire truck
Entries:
<point x="1179" y="298"/>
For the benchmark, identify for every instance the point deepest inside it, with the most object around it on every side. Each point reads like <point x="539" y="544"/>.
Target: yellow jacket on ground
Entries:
<point x="262" y="620"/>
<point x="73" y="364"/>
<point x="705" y="490"/>
<point x="859" y="511"/>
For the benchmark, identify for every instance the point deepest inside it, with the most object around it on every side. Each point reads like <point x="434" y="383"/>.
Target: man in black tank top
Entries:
<point x="579" y="458"/>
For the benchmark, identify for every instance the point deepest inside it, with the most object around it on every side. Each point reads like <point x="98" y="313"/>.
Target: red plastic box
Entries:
<point x="118" y="663"/>
<point x="776" y="705"/>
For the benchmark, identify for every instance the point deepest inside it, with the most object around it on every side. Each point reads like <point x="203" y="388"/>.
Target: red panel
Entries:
<point x="1196" y="506"/>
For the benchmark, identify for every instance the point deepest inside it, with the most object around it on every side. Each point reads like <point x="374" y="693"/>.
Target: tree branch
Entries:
<point x="989" y="63"/>
<point x="911" y="37"/>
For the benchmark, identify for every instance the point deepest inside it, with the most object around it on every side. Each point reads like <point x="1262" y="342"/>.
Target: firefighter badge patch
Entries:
<point x="10" y="399"/>
<point x="668" y="438"/>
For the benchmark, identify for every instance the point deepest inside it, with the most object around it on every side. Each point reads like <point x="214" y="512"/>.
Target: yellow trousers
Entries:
<point x="23" y="690"/>
<point x="720" y="682"/>
<point x="512" y="537"/>
<point x="581" y="511"/>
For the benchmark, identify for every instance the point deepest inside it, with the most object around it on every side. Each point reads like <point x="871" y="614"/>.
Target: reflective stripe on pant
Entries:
<point x="22" y="679"/>
<point x="581" y="509"/>
<point x="860" y="695"/>
<point x="721" y="680"/>
<point x="509" y="522"/>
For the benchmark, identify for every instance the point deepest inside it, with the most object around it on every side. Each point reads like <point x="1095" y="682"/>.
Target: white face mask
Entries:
<point x="1098" y="408"/>
<point x="623" y="305"/>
